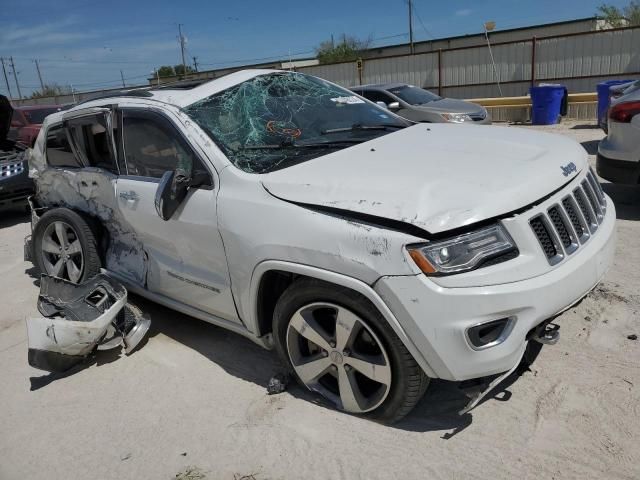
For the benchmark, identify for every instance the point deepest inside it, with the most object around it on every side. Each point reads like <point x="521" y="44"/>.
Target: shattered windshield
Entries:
<point x="277" y="120"/>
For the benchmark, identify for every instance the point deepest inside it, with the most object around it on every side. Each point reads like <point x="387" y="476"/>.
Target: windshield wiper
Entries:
<point x="290" y="144"/>
<point x="358" y="127"/>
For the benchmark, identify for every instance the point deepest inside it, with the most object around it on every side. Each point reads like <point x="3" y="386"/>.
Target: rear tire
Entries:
<point x="65" y="246"/>
<point x="329" y="335"/>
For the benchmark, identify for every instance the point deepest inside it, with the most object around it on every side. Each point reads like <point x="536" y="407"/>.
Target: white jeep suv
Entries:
<point x="372" y="253"/>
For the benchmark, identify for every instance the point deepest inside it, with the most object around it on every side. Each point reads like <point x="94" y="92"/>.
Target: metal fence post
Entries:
<point x="533" y="60"/>
<point x="440" y="71"/>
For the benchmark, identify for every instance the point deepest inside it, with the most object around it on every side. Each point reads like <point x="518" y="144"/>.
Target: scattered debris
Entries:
<point x="630" y="383"/>
<point x="184" y="454"/>
<point x="602" y="292"/>
<point x="79" y="318"/>
<point x="126" y="456"/>
<point x="251" y="476"/>
<point x="633" y="336"/>
<point x="191" y="473"/>
<point x="587" y="318"/>
<point x="277" y="384"/>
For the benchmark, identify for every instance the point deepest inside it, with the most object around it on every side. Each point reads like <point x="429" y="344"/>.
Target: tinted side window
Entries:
<point x="152" y="146"/>
<point x="375" y="96"/>
<point x="59" y="152"/>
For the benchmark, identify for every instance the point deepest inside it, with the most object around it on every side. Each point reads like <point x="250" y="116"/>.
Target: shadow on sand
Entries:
<point x="240" y="357"/>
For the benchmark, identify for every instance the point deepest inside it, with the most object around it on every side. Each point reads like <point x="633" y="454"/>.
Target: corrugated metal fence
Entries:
<point x="578" y="60"/>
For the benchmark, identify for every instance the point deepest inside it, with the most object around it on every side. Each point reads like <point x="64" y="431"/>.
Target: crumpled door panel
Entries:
<point x="77" y="318"/>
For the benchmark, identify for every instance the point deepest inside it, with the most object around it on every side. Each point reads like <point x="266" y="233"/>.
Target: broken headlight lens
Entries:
<point x="463" y="252"/>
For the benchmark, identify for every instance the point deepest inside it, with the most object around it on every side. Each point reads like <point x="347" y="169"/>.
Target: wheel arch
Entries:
<point x="271" y="278"/>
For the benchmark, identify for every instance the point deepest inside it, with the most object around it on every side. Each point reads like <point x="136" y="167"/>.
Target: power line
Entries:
<point x="422" y="23"/>
<point x="15" y="77"/>
<point x="39" y="75"/>
<point x="6" y="79"/>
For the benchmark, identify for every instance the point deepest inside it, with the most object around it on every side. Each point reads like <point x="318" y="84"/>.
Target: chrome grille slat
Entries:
<point x="593" y="200"/>
<point x="547" y="238"/>
<point x="576" y="218"/>
<point x="566" y="225"/>
<point x="586" y="210"/>
<point x="563" y="228"/>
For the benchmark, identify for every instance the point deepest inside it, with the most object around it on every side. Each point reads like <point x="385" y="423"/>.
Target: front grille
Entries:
<point x="11" y="169"/>
<point x="568" y="224"/>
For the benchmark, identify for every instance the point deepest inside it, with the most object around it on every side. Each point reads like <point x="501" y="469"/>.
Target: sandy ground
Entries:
<point x="192" y="403"/>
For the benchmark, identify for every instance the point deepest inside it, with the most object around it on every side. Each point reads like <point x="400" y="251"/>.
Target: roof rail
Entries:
<point x="139" y="92"/>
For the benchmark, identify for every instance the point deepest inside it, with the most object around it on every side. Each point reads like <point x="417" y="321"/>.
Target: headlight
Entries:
<point x="464" y="252"/>
<point x="456" y="117"/>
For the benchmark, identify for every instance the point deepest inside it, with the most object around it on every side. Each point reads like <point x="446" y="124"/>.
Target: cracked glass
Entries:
<point x="276" y="120"/>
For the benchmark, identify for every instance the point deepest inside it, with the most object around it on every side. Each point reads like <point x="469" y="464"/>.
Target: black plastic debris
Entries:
<point x="277" y="384"/>
<point x="633" y="336"/>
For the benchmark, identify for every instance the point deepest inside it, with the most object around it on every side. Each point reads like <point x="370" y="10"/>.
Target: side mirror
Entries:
<point x="171" y="191"/>
<point x="394" y="106"/>
<point x="382" y="104"/>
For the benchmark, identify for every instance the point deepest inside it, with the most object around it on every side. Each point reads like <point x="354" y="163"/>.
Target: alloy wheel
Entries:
<point x="335" y="353"/>
<point x="62" y="252"/>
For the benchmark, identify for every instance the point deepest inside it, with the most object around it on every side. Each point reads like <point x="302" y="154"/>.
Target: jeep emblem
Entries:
<point x="568" y="169"/>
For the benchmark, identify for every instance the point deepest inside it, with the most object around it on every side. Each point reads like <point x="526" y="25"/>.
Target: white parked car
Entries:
<point x="619" y="152"/>
<point x="372" y="254"/>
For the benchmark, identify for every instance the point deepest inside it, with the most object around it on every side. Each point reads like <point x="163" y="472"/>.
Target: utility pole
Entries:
<point x="411" y="26"/>
<point x="488" y="26"/>
<point x="6" y="79"/>
<point x="195" y="63"/>
<point x="122" y="77"/>
<point x="15" y="77"/>
<point x="184" y="65"/>
<point x="39" y="75"/>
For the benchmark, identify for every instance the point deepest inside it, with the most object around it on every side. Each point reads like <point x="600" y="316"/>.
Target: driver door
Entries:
<point x="185" y="259"/>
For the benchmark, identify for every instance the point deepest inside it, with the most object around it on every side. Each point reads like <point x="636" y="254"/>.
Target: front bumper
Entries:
<point x="15" y="189"/>
<point x="436" y="317"/>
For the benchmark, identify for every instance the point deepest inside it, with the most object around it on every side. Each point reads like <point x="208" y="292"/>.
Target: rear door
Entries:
<point x="185" y="255"/>
<point x="90" y="182"/>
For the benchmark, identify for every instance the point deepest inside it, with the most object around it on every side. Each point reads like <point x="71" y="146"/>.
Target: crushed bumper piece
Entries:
<point x="78" y="318"/>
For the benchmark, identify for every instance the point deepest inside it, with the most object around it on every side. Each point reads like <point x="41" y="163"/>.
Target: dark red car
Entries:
<point x="27" y="120"/>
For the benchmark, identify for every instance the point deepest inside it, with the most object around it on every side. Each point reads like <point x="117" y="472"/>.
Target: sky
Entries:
<point x="87" y="43"/>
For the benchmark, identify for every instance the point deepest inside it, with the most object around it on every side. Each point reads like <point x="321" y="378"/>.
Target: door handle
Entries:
<point x="130" y="195"/>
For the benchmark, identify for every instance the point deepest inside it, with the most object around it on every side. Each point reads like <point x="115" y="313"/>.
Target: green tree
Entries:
<point x="52" y="90"/>
<point x="166" y="71"/>
<point x="621" y="17"/>
<point x="349" y="49"/>
<point x="180" y="70"/>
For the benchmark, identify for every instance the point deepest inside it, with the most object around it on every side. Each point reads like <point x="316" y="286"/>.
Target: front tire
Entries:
<point x="337" y="344"/>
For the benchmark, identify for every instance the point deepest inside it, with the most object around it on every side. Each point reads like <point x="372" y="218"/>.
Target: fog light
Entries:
<point x="490" y="334"/>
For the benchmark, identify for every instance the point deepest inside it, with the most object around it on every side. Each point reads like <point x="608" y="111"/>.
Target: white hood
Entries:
<point x="435" y="177"/>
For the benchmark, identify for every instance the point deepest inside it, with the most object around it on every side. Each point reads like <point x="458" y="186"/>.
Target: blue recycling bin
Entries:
<point x="603" y="97"/>
<point x="546" y="103"/>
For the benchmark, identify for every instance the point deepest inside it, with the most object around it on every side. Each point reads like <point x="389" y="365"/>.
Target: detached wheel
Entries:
<point x="64" y="246"/>
<point x="338" y="345"/>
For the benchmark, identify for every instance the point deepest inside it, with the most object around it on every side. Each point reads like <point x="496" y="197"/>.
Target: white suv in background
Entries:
<point x="372" y="254"/>
<point x="619" y="152"/>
